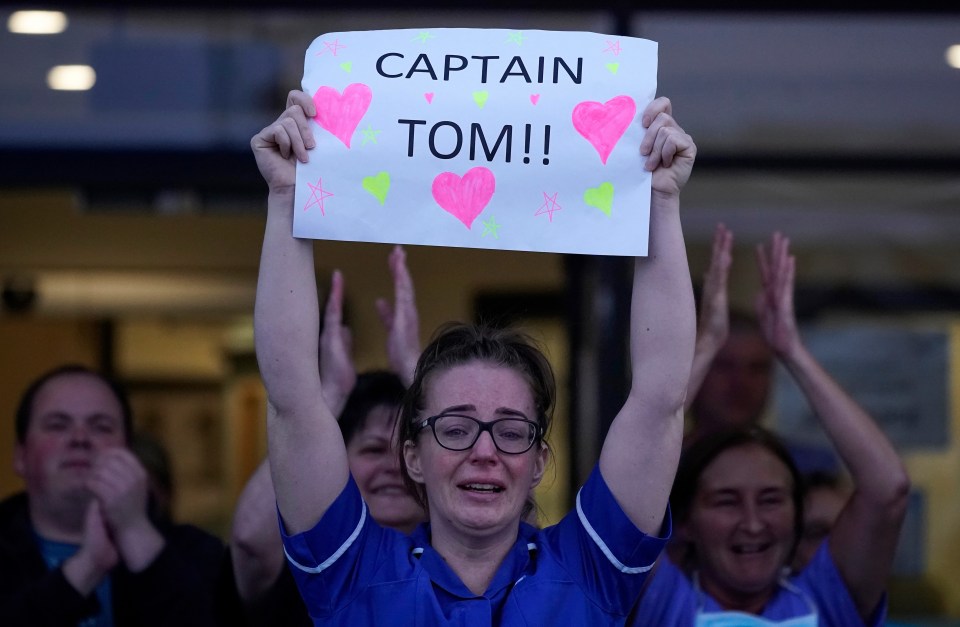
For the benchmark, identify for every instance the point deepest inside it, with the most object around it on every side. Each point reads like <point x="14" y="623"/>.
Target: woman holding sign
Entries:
<point x="472" y="429"/>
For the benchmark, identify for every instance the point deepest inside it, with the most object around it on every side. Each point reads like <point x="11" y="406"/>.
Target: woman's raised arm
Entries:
<point x="864" y="538"/>
<point x="308" y="459"/>
<point x="640" y="454"/>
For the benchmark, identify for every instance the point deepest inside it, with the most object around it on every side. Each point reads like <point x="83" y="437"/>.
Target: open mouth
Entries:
<point x="751" y="549"/>
<point x="481" y="488"/>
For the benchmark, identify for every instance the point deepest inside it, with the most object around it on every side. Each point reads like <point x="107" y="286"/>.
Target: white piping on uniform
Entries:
<point x="603" y="546"/>
<point x="343" y="547"/>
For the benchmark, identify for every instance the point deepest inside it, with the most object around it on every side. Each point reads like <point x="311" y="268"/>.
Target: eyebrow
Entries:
<point x="62" y="415"/>
<point x="500" y="411"/>
<point x="722" y="491"/>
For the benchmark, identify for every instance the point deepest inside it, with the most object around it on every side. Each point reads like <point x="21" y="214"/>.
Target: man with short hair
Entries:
<point x="78" y="547"/>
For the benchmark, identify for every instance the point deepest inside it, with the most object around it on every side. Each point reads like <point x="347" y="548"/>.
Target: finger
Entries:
<point x="726" y="242"/>
<point x="385" y="312"/>
<point x="105" y="486"/>
<point x="718" y="233"/>
<point x="303" y="100"/>
<point x="777" y="262"/>
<point x="303" y="120"/>
<point x="656" y="156"/>
<point x="788" y="281"/>
<point x="109" y="476"/>
<point x="659" y="121"/>
<point x="763" y="265"/>
<point x="784" y="261"/>
<point x="402" y="281"/>
<point x="760" y="307"/>
<point x="295" y="138"/>
<point x="669" y="142"/>
<point x="275" y="135"/>
<point x="673" y="143"/>
<point x="656" y="107"/>
<point x="333" y="312"/>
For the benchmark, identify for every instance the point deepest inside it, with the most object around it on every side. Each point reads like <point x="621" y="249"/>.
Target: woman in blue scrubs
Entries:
<point x="739" y="506"/>
<point x="472" y="432"/>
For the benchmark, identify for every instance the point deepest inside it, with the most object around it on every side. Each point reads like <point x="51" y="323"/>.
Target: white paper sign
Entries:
<point x="513" y="140"/>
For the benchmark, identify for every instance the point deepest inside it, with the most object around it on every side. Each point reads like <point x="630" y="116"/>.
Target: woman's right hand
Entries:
<point x="286" y="139"/>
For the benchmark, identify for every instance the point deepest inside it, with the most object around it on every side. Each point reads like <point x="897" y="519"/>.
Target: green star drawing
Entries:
<point x="490" y="226"/>
<point x="516" y="38"/>
<point x="424" y="36"/>
<point x="369" y="135"/>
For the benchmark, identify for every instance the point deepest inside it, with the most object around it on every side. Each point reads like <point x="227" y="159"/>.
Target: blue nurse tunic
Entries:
<point x="586" y="570"/>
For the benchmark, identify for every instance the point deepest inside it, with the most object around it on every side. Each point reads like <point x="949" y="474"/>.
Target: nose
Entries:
<point x="390" y="463"/>
<point x="752" y="520"/>
<point x="80" y="437"/>
<point x="484" y="448"/>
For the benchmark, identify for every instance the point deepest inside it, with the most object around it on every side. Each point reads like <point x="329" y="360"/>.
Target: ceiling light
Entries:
<point x="953" y="56"/>
<point x="37" y="22"/>
<point x="71" y="77"/>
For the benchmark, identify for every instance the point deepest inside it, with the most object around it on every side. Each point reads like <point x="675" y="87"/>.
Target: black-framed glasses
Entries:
<point x="458" y="433"/>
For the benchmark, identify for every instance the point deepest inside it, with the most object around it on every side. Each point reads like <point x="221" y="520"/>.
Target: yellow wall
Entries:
<point x="938" y="475"/>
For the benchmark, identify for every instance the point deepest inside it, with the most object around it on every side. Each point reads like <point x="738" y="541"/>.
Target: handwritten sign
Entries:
<point x="513" y="140"/>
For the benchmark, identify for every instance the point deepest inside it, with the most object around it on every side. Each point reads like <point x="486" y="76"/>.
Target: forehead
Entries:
<point x="78" y="395"/>
<point x="823" y="499"/>
<point x="750" y="467"/>
<point x="379" y="422"/>
<point x="484" y="385"/>
<point x="745" y="346"/>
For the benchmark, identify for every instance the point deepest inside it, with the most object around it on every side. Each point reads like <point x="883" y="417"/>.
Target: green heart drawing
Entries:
<point x="377" y="185"/>
<point x="600" y="197"/>
<point x="613" y="67"/>
<point x="480" y="97"/>
<point x="346" y="66"/>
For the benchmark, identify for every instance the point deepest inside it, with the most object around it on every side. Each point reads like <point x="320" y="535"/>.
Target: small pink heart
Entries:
<point x="429" y="97"/>
<point x="340" y="114"/>
<point x="604" y="124"/>
<point x="464" y="198"/>
<point x="534" y="98"/>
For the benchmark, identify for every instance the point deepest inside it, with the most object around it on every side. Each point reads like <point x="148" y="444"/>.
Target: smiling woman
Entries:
<point x="739" y="507"/>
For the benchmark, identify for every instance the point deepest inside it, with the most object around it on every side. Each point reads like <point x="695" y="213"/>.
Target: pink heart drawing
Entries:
<point x="604" y="124"/>
<point x="534" y="98"/>
<point x="340" y="114"/>
<point x="429" y="97"/>
<point x="464" y="198"/>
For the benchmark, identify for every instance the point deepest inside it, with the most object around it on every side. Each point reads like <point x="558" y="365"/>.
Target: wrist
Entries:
<point x="793" y="355"/>
<point x="139" y="544"/>
<point x="84" y="572"/>
<point x="664" y="200"/>
<point x="709" y="342"/>
<point x="283" y="193"/>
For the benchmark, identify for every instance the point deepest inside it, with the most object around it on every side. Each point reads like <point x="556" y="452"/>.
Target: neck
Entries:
<point x="475" y="560"/>
<point x="61" y="520"/>
<point x="747" y="602"/>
